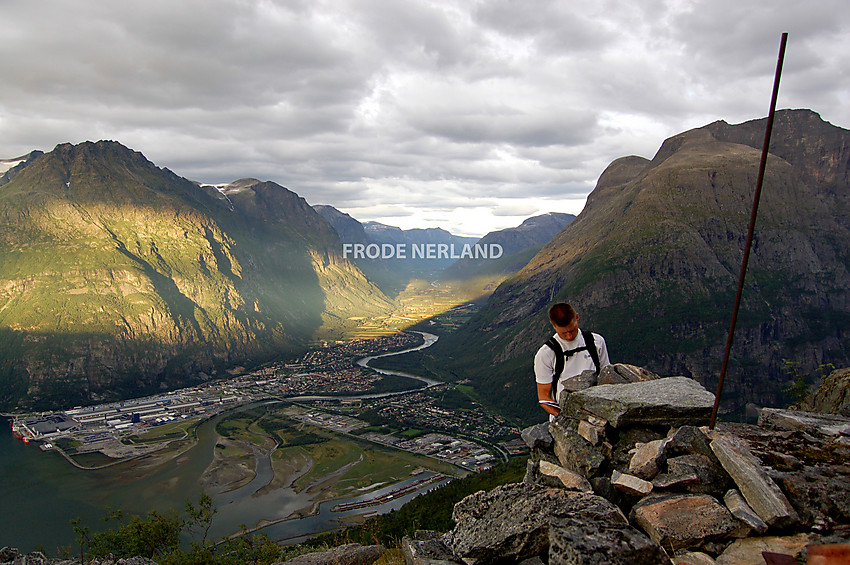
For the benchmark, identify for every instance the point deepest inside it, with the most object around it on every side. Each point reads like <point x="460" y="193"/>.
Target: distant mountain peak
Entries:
<point x="10" y="167"/>
<point x="557" y="219"/>
<point x="6" y="164"/>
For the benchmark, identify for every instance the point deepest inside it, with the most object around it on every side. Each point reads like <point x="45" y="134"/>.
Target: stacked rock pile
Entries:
<point x="630" y="473"/>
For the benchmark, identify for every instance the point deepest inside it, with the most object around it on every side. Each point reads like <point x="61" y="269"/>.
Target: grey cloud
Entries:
<point x="515" y="210"/>
<point x="415" y="34"/>
<point x="559" y="26"/>
<point x="465" y="110"/>
<point x="185" y="55"/>
<point x="509" y="125"/>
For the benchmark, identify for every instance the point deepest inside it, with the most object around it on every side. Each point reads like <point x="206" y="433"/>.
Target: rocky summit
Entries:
<point x="631" y="474"/>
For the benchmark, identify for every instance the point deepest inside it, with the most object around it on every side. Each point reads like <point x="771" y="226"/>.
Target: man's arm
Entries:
<point x="544" y="395"/>
<point x="544" y="362"/>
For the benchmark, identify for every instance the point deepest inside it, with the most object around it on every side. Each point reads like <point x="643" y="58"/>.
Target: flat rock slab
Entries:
<point x="580" y="382"/>
<point x="748" y="551"/>
<point x="742" y="511"/>
<point x="826" y="424"/>
<point x="620" y="373"/>
<point x="629" y="484"/>
<point x="759" y="490"/>
<point x="683" y="521"/>
<point x="671" y="401"/>
<point x="682" y="479"/>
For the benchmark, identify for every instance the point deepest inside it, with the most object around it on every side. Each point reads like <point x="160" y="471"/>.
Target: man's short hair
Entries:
<point x="561" y="314"/>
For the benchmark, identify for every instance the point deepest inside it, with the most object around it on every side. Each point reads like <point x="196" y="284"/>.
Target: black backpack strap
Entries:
<point x="559" y="363"/>
<point x="591" y="348"/>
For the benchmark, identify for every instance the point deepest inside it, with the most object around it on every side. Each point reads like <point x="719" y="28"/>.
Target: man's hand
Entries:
<point x="544" y="395"/>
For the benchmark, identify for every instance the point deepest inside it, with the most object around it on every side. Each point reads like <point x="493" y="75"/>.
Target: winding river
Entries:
<point x="42" y="493"/>
<point x="430" y="339"/>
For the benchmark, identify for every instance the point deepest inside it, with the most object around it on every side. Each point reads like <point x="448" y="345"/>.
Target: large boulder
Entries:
<point x="511" y="522"/>
<point x="813" y="422"/>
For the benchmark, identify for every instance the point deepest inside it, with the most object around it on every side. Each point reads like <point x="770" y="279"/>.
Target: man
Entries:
<point x="574" y="348"/>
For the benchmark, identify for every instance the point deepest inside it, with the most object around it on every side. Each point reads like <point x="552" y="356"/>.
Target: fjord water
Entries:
<point x="42" y="492"/>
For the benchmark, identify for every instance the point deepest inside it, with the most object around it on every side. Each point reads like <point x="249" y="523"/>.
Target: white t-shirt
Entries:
<point x="544" y="360"/>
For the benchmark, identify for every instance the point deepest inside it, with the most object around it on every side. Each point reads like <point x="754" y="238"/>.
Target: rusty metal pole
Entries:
<point x="759" y="182"/>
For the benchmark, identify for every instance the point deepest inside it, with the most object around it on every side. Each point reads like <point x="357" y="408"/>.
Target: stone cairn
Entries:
<point x="629" y="473"/>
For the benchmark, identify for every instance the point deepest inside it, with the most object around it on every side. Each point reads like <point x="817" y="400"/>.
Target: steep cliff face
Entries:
<point x="390" y="276"/>
<point x="652" y="262"/>
<point x="832" y="396"/>
<point x="348" y="229"/>
<point x="118" y="277"/>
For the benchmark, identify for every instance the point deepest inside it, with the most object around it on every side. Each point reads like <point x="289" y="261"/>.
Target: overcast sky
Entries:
<point x="470" y="115"/>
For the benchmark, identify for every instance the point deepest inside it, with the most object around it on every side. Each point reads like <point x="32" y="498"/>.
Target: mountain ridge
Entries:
<point x="119" y="277"/>
<point x="652" y="263"/>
